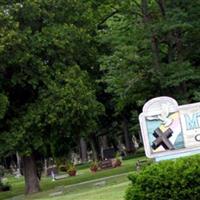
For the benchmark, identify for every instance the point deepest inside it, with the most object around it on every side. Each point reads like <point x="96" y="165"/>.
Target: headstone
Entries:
<point x="58" y="177"/>
<point x="100" y="184"/>
<point x="134" y="140"/>
<point x="18" y="174"/>
<point x="106" y="164"/>
<point x="53" y="175"/>
<point x="52" y="169"/>
<point x="90" y="155"/>
<point x="122" y="149"/>
<point x="109" y="153"/>
<point x="75" y="158"/>
<point x="56" y="194"/>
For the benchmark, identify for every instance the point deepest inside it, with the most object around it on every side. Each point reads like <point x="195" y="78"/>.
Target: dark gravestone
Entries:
<point x="106" y="164"/>
<point x="109" y="153"/>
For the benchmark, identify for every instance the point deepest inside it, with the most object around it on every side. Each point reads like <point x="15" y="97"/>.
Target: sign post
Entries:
<point x="169" y="130"/>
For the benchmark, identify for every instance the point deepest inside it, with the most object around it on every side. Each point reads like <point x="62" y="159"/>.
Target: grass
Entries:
<point x="88" y="190"/>
<point x="113" y="192"/>
<point x="84" y="175"/>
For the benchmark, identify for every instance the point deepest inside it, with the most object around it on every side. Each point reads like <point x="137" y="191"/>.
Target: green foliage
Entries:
<point x="150" y="58"/>
<point x="47" y="54"/>
<point x="178" y="180"/>
<point x="3" y="105"/>
<point x="2" y="171"/>
<point x="152" y="49"/>
<point x="58" y="115"/>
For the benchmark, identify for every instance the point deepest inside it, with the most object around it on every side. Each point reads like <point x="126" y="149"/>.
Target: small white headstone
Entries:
<point x="53" y="175"/>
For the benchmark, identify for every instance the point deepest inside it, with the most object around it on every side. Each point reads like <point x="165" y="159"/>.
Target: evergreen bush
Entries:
<point x="168" y="180"/>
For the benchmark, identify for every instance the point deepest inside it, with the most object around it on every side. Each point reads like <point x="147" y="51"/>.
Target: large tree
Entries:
<point x="47" y="55"/>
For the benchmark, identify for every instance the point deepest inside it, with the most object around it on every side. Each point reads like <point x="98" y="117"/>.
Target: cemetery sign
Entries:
<point x="169" y="130"/>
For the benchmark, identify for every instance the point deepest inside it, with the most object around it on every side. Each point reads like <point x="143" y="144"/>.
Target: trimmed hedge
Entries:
<point x="168" y="180"/>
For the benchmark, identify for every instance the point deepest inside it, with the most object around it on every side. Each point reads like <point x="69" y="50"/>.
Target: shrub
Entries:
<point x="141" y="164"/>
<point x="168" y="180"/>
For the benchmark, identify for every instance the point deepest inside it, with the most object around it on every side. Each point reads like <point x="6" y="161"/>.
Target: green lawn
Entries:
<point x="83" y="175"/>
<point x="113" y="192"/>
<point x="112" y="187"/>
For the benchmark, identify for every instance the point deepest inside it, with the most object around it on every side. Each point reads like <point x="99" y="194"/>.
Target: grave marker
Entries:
<point x="109" y="153"/>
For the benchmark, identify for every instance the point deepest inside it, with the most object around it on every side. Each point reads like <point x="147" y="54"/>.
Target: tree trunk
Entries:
<point x="45" y="167"/>
<point x="104" y="145"/>
<point x="83" y="150"/>
<point x="30" y="175"/>
<point x="94" y="150"/>
<point x="18" y="164"/>
<point x="154" y="39"/>
<point x="104" y="142"/>
<point x="161" y="4"/>
<point x="140" y="138"/>
<point x="128" y="141"/>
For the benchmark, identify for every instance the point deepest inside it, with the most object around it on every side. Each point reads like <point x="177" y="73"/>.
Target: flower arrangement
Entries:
<point x="71" y="170"/>
<point x="117" y="161"/>
<point x="94" y="166"/>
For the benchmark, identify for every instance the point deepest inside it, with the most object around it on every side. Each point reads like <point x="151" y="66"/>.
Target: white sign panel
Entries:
<point x="169" y="130"/>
